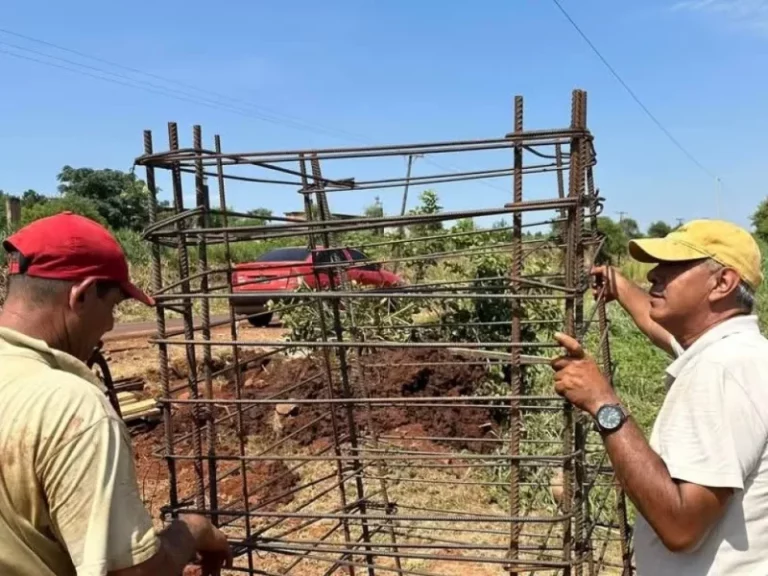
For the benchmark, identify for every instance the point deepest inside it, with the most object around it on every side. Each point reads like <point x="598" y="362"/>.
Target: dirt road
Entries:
<point x="129" y="330"/>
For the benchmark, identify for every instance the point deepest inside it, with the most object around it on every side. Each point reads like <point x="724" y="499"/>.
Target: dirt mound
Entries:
<point x="394" y="373"/>
<point x="381" y="374"/>
<point x="269" y="483"/>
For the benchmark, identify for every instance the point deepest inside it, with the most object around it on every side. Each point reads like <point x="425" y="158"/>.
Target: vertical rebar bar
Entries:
<point x="381" y="468"/>
<point x="516" y="369"/>
<point x="330" y="241"/>
<point x="560" y="187"/>
<point x="570" y="328"/>
<point x="204" y="220"/>
<point x="578" y="168"/>
<point x="189" y="331"/>
<point x="240" y="424"/>
<point x="308" y="210"/>
<point x="607" y="365"/>
<point x="162" y="349"/>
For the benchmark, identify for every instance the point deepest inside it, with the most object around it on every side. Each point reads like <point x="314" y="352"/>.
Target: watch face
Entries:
<point x="610" y="417"/>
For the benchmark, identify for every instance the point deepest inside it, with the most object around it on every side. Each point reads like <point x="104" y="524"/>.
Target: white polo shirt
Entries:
<point x="712" y="430"/>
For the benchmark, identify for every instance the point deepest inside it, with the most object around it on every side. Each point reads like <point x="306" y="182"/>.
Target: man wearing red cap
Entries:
<point x="69" y="500"/>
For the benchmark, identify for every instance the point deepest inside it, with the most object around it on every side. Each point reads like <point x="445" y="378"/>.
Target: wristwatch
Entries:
<point x="609" y="418"/>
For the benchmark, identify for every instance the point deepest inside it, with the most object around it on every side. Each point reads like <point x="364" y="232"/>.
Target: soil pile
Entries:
<point x="269" y="483"/>
<point x="389" y="373"/>
<point x="406" y="373"/>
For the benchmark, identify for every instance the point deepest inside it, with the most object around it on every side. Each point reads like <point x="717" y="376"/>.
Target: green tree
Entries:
<point x="658" y="229"/>
<point x="375" y="210"/>
<point x="53" y="206"/>
<point x="3" y="222"/>
<point x="615" y="238"/>
<point x="262" y="215"/>
<point x="760" y="220"/>
<point x="630" y="228"/>
<point x="429" y="204"/>
<point x="30" y="197"/>
<point x="465" y="226"/>
<point x="121" y="199"/>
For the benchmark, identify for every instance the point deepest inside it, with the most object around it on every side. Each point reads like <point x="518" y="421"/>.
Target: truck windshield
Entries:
<point x="284" y="255"/>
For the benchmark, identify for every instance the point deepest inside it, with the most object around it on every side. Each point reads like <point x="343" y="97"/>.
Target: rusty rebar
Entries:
<point x="308" y="211"/>
<point x="342" y="397"/>
<point x="204" y="204"/>
<point x="162" y="349"/>
<point x="183" y="257"/>
<point x="239" y="422"/>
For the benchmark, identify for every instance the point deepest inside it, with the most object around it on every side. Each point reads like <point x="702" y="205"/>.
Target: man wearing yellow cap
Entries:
<point x="701" y="483"/>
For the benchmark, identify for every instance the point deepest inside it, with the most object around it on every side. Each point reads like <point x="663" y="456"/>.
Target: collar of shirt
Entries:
<point x="12" y="341"/>
<point x="736" y="325"/>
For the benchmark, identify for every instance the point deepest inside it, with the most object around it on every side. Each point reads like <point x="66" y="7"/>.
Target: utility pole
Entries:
<point x="408" y="181"/>
<point x="621" y="220"/>
<point x="396" y="250"/>
<point x="680" y="222"/>
<point x="12" y="213"/>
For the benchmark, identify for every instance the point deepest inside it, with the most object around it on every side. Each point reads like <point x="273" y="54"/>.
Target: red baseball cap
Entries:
<point x="74" y="248"/>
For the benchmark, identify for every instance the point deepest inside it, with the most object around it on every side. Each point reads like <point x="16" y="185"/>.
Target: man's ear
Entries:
<point x="727" y="283"/>
<point x="79" y="293"/>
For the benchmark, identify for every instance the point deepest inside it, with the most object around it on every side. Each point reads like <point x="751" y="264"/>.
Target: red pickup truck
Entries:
<point x="284" y="269"/>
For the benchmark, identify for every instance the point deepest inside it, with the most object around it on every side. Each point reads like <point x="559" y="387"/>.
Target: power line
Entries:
<point x="124" y="80"/>
<point x="265" y="113"/>
<point x="185" y="95"/>
<point x="631" y="92"/>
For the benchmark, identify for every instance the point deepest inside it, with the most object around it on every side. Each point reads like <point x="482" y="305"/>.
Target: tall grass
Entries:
<point x="635" y="271"/>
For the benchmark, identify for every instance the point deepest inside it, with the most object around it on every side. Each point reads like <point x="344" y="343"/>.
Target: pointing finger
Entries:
<point x="571" y="345"/>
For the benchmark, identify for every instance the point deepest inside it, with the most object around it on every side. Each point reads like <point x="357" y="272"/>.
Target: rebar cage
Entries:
<point x="407" y="427"/>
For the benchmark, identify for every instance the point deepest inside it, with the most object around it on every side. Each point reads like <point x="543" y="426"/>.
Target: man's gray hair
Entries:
<point x="40" y="291"/>
<point x="745" y="296"/>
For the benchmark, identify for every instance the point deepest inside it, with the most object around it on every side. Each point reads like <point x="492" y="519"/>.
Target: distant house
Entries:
<point x="300" y="215"/>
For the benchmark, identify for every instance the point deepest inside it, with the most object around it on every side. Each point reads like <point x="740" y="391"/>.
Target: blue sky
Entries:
<point x="357" y="71"/>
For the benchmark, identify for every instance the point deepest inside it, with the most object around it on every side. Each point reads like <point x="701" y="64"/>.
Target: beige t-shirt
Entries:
<point x="712" y="430"/>
<point x="69" y="500"/>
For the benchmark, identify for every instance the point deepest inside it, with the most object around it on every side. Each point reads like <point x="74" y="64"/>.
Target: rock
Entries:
<point x="287" y="409"/>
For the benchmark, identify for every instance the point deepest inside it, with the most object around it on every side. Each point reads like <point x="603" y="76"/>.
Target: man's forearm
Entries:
<point x="177" y="549"/>
<point x="648" y="484"/>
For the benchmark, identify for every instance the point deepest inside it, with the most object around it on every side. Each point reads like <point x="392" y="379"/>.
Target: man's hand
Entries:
<point x="605" y="281"/>
<point x="578" y="378"/>
<point x="210" y="543"/>
<point x="189" y="538"/>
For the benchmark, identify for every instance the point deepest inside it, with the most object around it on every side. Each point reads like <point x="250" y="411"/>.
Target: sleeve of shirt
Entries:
<point x="713" y="436"/>
<point x="94" y="502"/>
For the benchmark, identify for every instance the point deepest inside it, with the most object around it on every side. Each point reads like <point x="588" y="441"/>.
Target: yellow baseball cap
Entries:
<point x="722" y="241"/>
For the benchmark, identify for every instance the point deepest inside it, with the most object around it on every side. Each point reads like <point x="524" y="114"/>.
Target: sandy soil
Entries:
<point x="297" y="474"/>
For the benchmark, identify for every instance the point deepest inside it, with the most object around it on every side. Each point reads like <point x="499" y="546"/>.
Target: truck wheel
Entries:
<point x="261" y="320"/>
